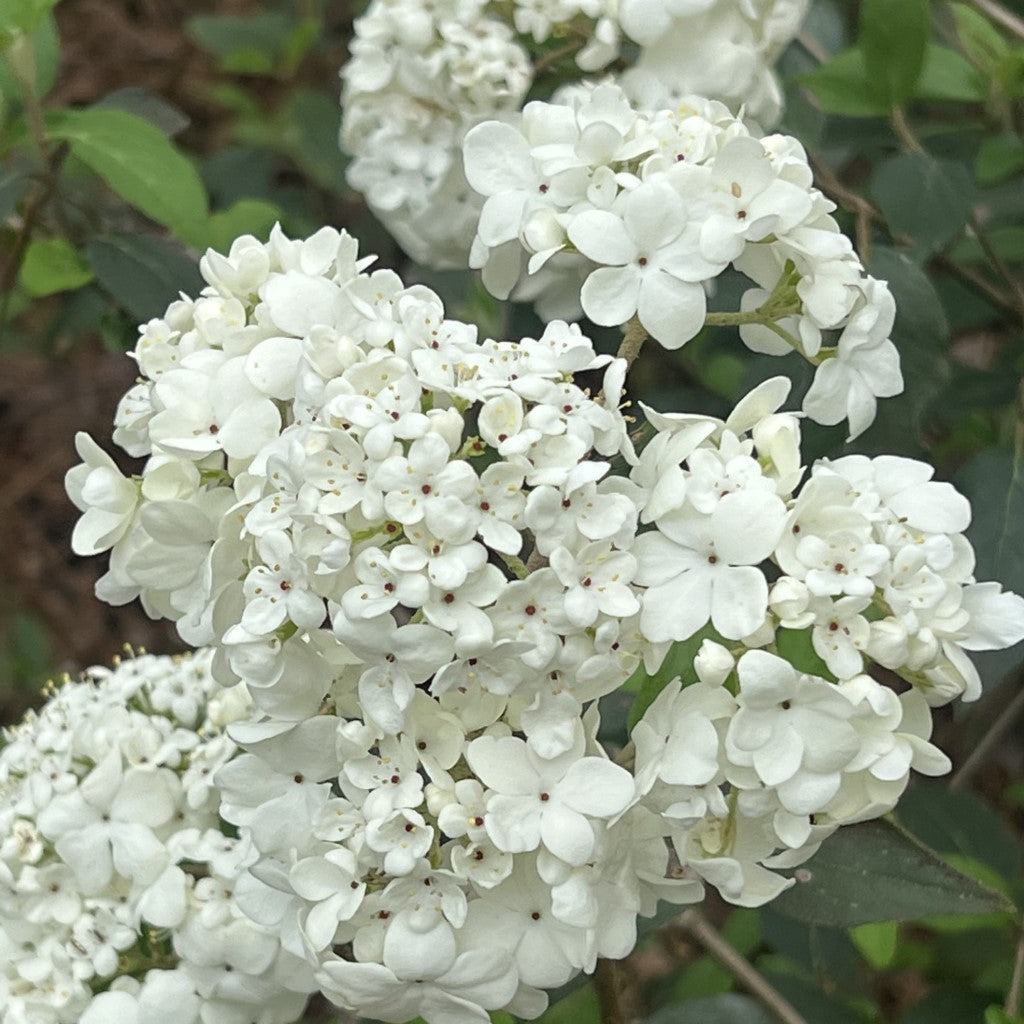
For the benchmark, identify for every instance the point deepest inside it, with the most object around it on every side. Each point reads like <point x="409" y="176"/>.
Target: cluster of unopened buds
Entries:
<point x="429" y="556"/>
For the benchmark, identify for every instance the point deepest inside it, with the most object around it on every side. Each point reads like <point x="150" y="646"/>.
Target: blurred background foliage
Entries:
<point x="136" y="133"/>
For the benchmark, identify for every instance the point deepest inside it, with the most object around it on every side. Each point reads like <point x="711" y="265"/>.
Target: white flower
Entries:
<point x="108" y="500"/>
<point x="866" y="366"/>
<point x="700" y="567"/>
<point x="546" y="801"/>
<point x="648" y="265"/>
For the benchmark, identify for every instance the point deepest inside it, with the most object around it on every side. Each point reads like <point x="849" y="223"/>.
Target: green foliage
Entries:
<point x="678" y="664"/>
<point x="22" y="17"/>
<point x="268" y="43"/>
<point x="141" y="271"/>
<point x="927" y="199"/>
<point x="893" y="37"/>
<point x="721" y="1009"/>
<point x="138" y="162"/>
<point x="53" y="265"/>
<point x="877" y="872"/>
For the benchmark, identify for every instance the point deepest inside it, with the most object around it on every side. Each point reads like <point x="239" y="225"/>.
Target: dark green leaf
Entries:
<point x="877" y="872"/>
<point x="808" y="999"/>
<point x="53" y="265"/>
<point x="310" y="125"/>
<point x="255" y="44"/>
<point x="13" y="186"/>
<point x="893" y="36"/>
<point x="994" y="484"/>
<point x="246" y="217"/>
<point x="579" y="1007"/>
<point x="920" y="335"/>
<point x="723" y="1009"/>
<point x="143" y="273"/>
<point x="927" y="199"/>
<point x="958" y="822"/>
<point x="948" y="1004"/>
<point x="678" y="664"/>
<point x="239" y="172"/>
<point x="947" y="75"/>
<point x="138" y="162"/>
<point x="1006" y="242"/>
<point x="796" y="646"/>
<point x="841" y="87"/>
<point x="136" y="100"/>
<point x="700" y="979"/>
<point x="999" y="157"/>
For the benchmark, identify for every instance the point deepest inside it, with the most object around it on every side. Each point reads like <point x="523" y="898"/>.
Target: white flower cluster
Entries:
<point x="651" y="209"/>
<point x="724" y="51"/>
<point x="116" y="882"/>
<point x="421" y="75"/>
<point x="429" y="556"/>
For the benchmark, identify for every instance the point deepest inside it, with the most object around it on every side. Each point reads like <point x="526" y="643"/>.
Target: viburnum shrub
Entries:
<point x="429" y="555"/>
<point x="425" y="557"/>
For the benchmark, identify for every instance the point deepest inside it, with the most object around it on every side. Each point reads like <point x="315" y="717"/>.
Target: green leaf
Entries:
<point x="797" y="647"/>
<point x="1007" y="242"/>
<point x="877" y="942"/>
<point x="704" y="977"/>
<point x="841" y="87"/>
<point x="959" y="822"/>
<point x="678" y="663"/>
<point x="920" y="335"/>
<point x="579" y="1007"/>
<point x="144" y="274"/>
<point x="13" y="186"/>
<point x="53" y="265"/>
<point x="134" y="99"/>
<point x="997" y="1015"/>
<point x="257" y="44"/>
<point x="21" y="17"/>
<point x="876" y="871"/>
<point x="948" y="75"/>
<point x="999" y="157"/>
<point x="978" y="36"/>
<point x="925" y="198"/>
<point x="723" y="1009"/>
<point x="309" y="135"/>
<point x="138" y="162"/>
<point x="893" y="36"/>
<point x="245" y="217"/>
<point x="993" y="481"/>
<point x="44" y="56"/>
<point x="948" y="1004"/>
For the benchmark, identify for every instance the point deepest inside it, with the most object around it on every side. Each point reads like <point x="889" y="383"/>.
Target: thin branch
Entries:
<point x="977" y="280"/>
<point x="865" y="213"/>
<point x="551" y="58"/>
<point x="1006" y="18"/>
<point x="905" y="133"/>
<point x="991" y="739"/>
<point x="633" y="339"/>
<point x="739" y="967"/>
<point x="998" y="263"/>
<point x="609" y="992"/>
<point x="1013" y="996"/>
